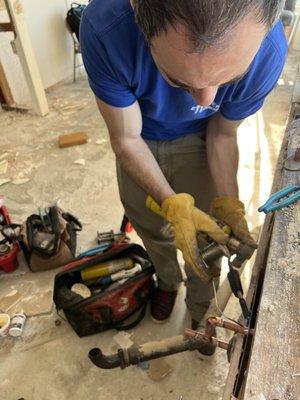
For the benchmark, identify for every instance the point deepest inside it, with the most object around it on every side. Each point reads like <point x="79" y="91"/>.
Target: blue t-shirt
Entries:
<point x="121" y="70"/>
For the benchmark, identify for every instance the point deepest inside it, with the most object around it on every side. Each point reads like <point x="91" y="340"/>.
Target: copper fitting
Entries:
<point x="196" y="335"/>
<point x="230" y="325"/>
<point x="201" y="337"/>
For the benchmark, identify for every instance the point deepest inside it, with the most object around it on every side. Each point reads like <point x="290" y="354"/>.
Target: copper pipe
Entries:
<point x="220" y="343"/>
<point x="196" y="335"/>
<point x="232" y="326"/>
<point x="201" y="337"/>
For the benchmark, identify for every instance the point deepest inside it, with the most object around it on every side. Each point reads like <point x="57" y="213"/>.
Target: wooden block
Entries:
<point x="72" y="139"/>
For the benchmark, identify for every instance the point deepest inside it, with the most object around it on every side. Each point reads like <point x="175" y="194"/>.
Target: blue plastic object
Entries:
<point x="283" y="198"/>
<point x="95" y="250"/>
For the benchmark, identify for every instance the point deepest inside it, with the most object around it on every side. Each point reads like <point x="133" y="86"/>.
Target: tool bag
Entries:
<point x="121" y="307"/>
<point x="48" y="239"/>
<point x="74" y="16"/>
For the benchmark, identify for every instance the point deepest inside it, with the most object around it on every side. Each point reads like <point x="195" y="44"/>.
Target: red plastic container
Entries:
<point x="9" y="261"/>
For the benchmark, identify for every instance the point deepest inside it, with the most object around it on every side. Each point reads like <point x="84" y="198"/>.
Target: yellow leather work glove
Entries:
<point x="186" y="221"/>
<point x="231" y="211"/>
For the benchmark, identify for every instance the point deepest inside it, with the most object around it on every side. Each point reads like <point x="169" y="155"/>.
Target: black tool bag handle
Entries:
<point x="32" y="223"/>
<point x="76" y="224"/>
<point x="142" y="312"/>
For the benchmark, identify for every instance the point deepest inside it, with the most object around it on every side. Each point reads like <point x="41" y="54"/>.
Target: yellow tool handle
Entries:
<point x="155" y="207"/>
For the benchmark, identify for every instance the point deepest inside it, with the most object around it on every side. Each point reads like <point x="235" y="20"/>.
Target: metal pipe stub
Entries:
<point x="136" y="354"/>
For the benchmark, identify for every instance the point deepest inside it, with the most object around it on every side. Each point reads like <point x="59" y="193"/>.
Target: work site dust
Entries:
<point x="149" y="200"/>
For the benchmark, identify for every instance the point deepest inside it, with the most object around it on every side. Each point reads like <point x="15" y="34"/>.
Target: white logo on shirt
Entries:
<point x="199" y="109"/>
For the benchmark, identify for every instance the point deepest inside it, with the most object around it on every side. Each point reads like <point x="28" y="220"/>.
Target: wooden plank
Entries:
<point x="257" y="276"/>
<point x="238" y="354"/>
<point x="274" y="368"/>
<point x="6" y="27"/>
<point x="26" y="55"/>
<point x="235" y="373"/>
<point x="5" y="89"/>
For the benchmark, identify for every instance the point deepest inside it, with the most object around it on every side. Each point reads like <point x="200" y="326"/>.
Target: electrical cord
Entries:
<point x="216" y="297"/>
<point x="218" y="308"/>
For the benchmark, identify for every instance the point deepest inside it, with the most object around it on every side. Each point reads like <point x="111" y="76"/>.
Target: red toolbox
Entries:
<point x="9" y="260"/>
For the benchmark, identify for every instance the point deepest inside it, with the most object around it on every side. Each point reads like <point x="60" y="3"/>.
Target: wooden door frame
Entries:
<point x="22" y="46"/>
<point x="6" y="96"/>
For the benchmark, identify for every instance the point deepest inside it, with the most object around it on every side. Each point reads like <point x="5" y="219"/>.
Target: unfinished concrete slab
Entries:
<point x="50" y="361"/>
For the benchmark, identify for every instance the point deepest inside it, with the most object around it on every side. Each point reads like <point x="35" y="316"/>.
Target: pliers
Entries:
<point x="283" y="198"/>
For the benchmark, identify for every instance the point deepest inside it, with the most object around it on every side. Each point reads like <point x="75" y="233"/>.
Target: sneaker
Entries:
<point x="206" y="349"/>
<point x="162" y="304"/>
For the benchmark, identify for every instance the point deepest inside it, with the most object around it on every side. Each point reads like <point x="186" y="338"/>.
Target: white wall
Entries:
<point x="50" y="39"/>
<point x="51" y="42"/>
<point x="12" y="67"/>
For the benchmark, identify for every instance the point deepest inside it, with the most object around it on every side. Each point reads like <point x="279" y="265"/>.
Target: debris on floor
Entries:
<point x="10" y="300"/>
<point x="35" y="304"/>
<point x="32" y="305"/>
<point x="101" y="141"/>
<point x="4" y="180"/>
<point x="4" y="325"/>
<point x="159" y="369"/>
<point x="80" y="161"/>
<point x="20" y="181"/>
<point x="72" y="139"/>
<point x="4" y="155"/>
<point x="63" y="106"/>
<point x="3" y="167"/>
<point x="123" y="339"/>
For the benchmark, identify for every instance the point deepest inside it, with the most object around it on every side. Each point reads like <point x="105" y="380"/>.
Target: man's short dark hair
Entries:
<point x="207" y="21"/>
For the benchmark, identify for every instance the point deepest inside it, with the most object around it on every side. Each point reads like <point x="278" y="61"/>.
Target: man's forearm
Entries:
<point x="132" y="153"/>
<point x="136" y="159"/>
<point x="223" y="158"/>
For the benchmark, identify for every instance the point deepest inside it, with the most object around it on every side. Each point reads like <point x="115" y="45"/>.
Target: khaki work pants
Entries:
<point x="184" y="164"/>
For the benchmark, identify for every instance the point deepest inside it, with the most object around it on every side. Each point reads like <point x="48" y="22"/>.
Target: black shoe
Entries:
<point x="207" y="349"/>
<point x="162" y="304"/>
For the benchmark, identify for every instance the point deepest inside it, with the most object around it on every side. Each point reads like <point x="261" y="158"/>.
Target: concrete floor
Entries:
<point x="50" y="362"/>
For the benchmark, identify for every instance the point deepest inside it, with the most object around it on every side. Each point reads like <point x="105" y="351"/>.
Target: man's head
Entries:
<point x="199" y="45"/>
